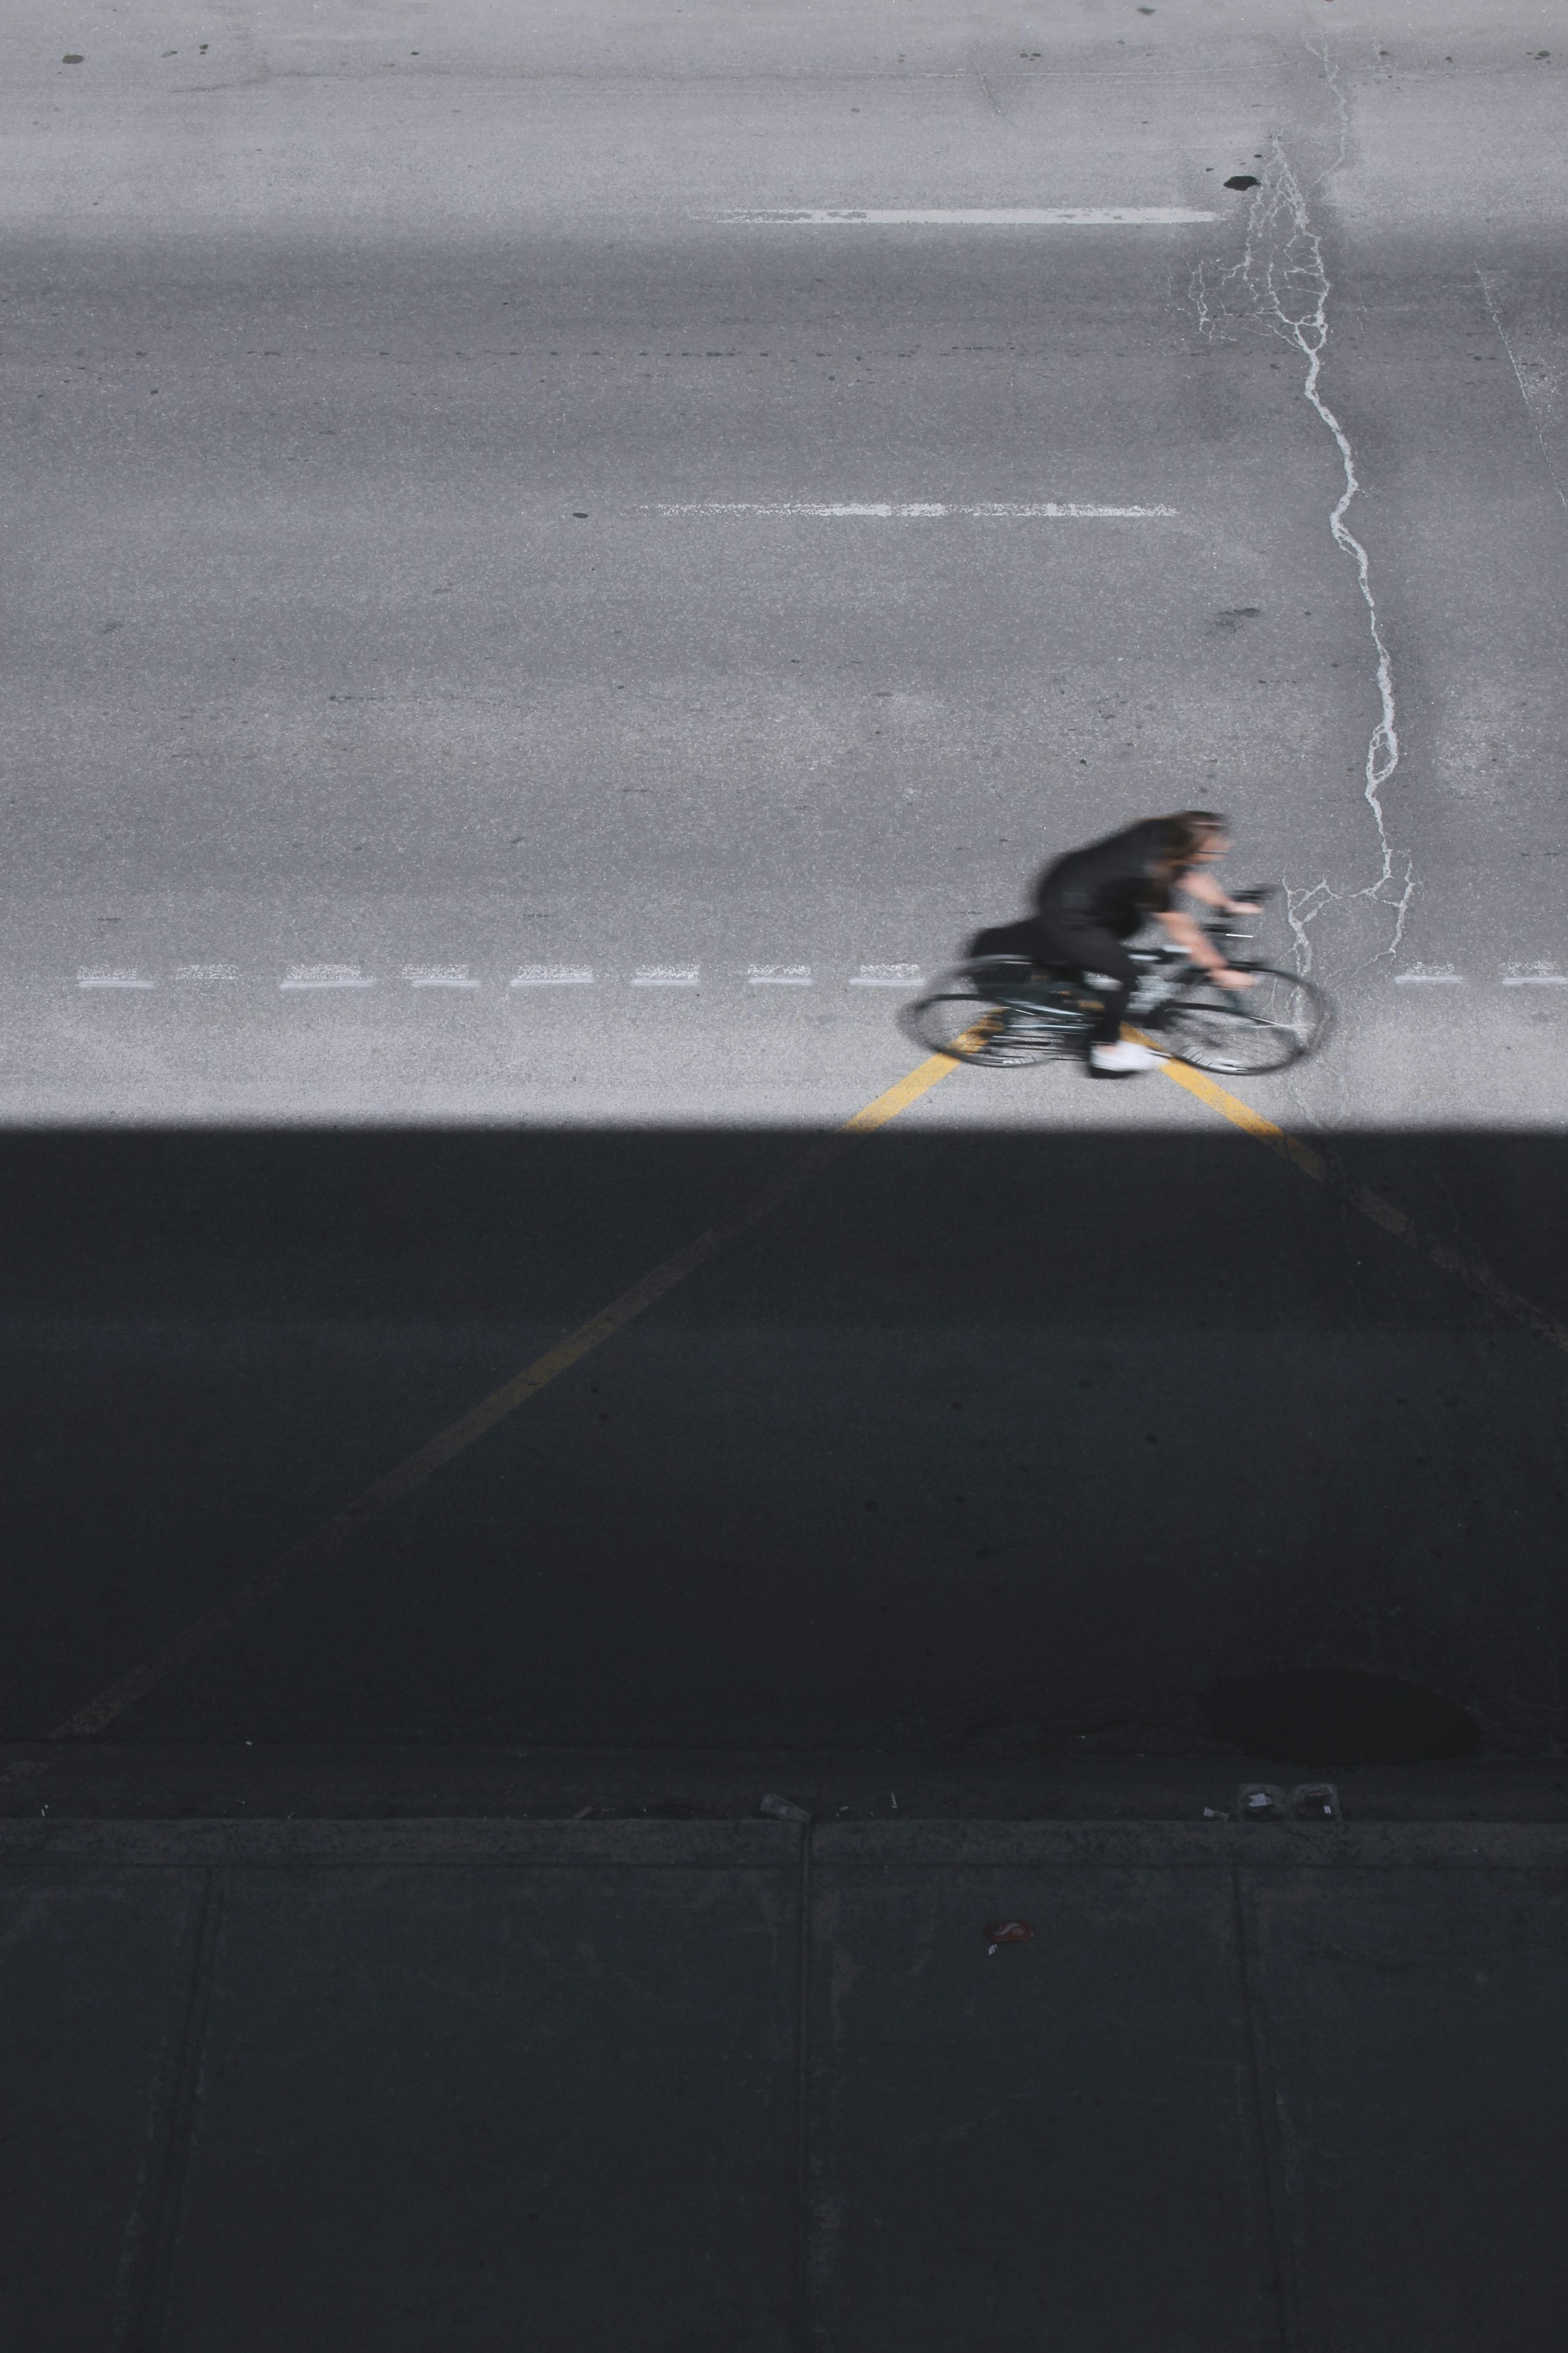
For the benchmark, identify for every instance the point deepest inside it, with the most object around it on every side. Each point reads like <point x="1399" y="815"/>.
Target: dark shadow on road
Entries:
<point x="983" y="1441"/>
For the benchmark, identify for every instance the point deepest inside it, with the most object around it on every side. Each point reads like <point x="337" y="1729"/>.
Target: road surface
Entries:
<point x="554" y="566"/>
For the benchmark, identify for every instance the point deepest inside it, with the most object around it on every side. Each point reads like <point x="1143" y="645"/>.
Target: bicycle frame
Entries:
<point x="1164" y="971"/>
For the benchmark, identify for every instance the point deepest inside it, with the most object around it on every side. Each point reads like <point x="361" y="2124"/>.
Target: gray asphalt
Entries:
<point x="345" y="379"/>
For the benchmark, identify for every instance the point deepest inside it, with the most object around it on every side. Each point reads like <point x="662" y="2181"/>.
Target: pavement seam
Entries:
<point x="147" y="2260"/>
<point x="1273" y="2175"/>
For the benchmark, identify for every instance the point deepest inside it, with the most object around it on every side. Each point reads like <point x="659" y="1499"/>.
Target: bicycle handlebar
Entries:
<point x="1222" y="924"/>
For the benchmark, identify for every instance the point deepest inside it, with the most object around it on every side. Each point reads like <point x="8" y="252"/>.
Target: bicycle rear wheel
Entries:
<point x="1278" y="1022"/>
<point x="973" y="1028"/>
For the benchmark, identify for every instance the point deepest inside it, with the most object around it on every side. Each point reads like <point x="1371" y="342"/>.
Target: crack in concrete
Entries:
<point x="990" y="95"/>
<point x="1530" y="407"/>
<point x="1331" y="75"/>
<point x="1281" y="282"/>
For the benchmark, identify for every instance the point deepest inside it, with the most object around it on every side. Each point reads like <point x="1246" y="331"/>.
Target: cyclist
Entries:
<point x="1090" y="902"/>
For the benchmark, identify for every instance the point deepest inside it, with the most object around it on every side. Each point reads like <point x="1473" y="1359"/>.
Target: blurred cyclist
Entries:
<point x="1090" y="902"/>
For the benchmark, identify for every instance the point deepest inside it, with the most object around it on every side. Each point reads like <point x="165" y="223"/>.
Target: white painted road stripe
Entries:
<point x="1013" y="216"/>
<point x="868" y="975"/>
<point x="919" y="511"/>
<point x="326" y="976"/>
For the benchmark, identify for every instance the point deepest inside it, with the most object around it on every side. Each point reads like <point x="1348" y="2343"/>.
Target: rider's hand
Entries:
<point x="1242" y="907"/>
<point x="1224" y="977"/>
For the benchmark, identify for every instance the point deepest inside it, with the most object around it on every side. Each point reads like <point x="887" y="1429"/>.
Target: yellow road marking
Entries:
<point x="908" y="1091"/>
<point x="1473" y="1272"/>
<point x="326" y="1541"/>
<point x="1241" y="1114"/>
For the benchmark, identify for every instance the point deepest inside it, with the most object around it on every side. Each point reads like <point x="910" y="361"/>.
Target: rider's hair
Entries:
<point x="1185" y="834"/>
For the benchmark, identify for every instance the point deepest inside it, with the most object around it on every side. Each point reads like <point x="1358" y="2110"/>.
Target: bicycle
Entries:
<point x="1004" y="1013"/>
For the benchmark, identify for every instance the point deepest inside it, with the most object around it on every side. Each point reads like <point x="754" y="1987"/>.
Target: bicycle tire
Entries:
<point x="977" y="1030"/>
<point x="1278" y="1021"/>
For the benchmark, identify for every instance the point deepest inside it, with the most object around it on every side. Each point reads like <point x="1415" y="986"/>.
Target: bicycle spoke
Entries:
<point x="994" y="1034"/>
<point x="1265" y="1028"/>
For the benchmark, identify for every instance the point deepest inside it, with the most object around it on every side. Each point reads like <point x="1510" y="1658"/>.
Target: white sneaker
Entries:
<point x="1124" y="1057"/>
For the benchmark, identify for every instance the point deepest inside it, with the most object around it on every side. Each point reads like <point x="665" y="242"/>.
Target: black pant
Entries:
<point x="1100" y="956"/>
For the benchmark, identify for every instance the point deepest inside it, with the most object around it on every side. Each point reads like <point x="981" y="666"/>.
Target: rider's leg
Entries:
<point x="1104" y="963"/>
<point x="1109" y="971"/>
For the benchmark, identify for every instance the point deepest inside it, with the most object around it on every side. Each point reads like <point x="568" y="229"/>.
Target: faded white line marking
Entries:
<point x="326" y="976"/>
<point x="1012" y="217"/>
<point x="439" y="975"/>
<point x="1419" y="979"/>
<point x="197" y="974"/>
<point x="778" y="976"/>
<point x="553" y="976"/>
<point x="666" y="976"/>
<point x="911" y="511"/>
<point x="1539" y="976"/>
<point x="887" y="975"/>
<point x="99" y="979"/>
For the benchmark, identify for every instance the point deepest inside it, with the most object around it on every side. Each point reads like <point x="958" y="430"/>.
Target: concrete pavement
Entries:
<point x="586" y="2083"/>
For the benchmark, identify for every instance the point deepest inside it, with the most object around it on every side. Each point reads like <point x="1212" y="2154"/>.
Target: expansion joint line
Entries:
<point x="1281" y="283"/>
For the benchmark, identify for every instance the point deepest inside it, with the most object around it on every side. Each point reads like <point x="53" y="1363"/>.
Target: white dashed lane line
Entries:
<point x="314" y="977"/>
<point x="326" y="976"/>
<point x="973" y="216"/>
<point x="912" y="510"/>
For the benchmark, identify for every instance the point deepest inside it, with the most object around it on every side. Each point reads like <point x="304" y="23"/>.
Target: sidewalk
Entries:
<point x="431" y="2085"/>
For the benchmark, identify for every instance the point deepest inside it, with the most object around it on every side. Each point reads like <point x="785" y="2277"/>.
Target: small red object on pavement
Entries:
<point x="1007" y="1932"/>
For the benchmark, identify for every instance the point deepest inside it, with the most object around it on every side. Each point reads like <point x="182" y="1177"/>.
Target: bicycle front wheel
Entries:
<point x="1280" y="1020"/>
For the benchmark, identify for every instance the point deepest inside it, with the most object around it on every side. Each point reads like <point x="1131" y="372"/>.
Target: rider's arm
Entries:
<point x="1195" y="941"/>
<point x="1191" y="938"/>
<point x="1199" y="885"/>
